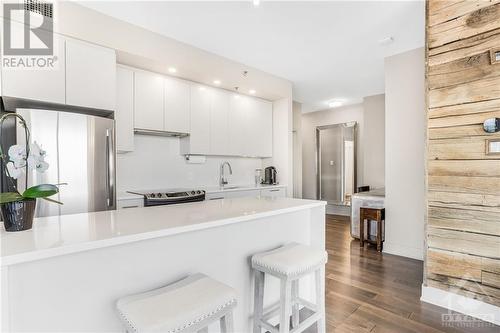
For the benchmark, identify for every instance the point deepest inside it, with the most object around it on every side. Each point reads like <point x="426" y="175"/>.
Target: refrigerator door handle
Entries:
<point x="110" y="168"/>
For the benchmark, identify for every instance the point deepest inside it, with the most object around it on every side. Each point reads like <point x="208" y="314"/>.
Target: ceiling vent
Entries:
<point x="40" y="7"/>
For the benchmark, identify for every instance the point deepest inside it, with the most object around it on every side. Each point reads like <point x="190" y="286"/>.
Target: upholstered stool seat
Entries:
<point x="185" y="306"/>
<point x="289" y="264"/>
<point x="290" y="260"/>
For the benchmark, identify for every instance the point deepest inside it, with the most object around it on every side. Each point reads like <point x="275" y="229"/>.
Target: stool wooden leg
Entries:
<point x="361" y="231"/>
<point x="379" y="235"/>
<point x="286" y="305"/>
<point x="295" y="303"/>
<point x="258" y="303"/>
<point x="320" y="299"/>
<point x="226" y="323"/>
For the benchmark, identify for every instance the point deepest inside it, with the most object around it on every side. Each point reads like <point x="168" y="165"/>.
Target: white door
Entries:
<point x="177" y="105"/>
<point x="219" y="122"/>
<point x="124" y="113"/>
<point x="90" y="75"/>
<point x="148" y="104"/>
<point x="47" y="85"/>
<point x="199" y="139"/>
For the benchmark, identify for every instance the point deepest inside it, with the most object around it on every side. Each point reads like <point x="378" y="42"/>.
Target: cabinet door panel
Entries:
<point x="239" y="140"/>
<point x="264" y="129"/>
<point x="219" y="122"/>
<point x="148" y="105"/>
<point x="199" y="139"/>
<point x="124" y="113"/>
<point x="90" y="75"/>
<point x="177" y="105"/>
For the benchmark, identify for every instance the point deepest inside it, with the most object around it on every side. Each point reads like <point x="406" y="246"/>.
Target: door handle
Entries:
<point x="110" y="168"/>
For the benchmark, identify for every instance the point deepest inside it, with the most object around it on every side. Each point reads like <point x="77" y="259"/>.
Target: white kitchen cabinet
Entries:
<point x="219" y="122"/>
<point x="148" y="104"/>
<point x="129" y="203"/>
<point x="262" y="137"/>
<point x="239" y="141"/>
<point x="47" y="85"/>
<point x="177" y="105"/>
<point x="124" y="113"/>
<point x="198" y="141"/>
<point x="274" y="192"/>
<point x="90" y="75"/>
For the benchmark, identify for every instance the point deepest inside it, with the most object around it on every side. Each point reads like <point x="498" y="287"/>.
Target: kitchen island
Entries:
<point x="68" y="271"/>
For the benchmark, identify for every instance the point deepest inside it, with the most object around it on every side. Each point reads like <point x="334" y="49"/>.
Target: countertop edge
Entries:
<point x="93" y="245"/>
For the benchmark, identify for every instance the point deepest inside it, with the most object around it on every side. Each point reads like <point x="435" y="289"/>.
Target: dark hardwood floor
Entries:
<point x="367" y="291"/>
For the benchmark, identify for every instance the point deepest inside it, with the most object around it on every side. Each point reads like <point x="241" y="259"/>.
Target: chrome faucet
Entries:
<point x="222" y="179"/>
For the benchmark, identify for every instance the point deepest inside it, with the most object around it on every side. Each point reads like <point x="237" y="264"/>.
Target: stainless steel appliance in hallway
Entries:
<point x="80" y="150"/>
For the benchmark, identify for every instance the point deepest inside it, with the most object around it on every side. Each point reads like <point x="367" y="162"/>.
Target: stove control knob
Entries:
<point x="193" y="192"/>
<point x="198" y="192"/>
<point x="159" y="195"/>
<point x="152" y="195"/>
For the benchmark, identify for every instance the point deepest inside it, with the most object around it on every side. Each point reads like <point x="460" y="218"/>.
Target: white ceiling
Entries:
<point x="329" y="50"/>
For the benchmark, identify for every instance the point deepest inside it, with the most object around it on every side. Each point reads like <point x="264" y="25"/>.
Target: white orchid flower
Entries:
<point x="41" y="166"/>
<point x="36" y="150"/>
<point x="13" y="171"/>
<point x="17" y="152"/>
<point x="21" y="163"/>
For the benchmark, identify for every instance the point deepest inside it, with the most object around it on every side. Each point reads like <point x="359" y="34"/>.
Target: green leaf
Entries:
<point x="41" y="191"/>
<point x="10" y="197"/>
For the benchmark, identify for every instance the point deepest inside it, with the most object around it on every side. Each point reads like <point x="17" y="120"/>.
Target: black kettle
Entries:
<point x="270" y="176"/>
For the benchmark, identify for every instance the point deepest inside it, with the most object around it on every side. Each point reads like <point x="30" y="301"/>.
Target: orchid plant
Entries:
<point x="20" y="161"/>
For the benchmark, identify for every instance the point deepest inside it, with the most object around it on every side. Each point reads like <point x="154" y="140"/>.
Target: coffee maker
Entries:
<point x="270" y="176"/>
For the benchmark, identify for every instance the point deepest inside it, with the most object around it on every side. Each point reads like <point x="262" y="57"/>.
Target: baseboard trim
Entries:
<point x="403" y="251"/>
<point x="458" y="303"/>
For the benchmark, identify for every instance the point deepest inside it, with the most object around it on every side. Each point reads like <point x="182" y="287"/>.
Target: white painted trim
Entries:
<point x="462" y="304"/>
<point x="404" y="251"/>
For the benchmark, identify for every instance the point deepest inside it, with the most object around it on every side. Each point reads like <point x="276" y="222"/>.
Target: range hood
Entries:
<point x="159" y="133"/>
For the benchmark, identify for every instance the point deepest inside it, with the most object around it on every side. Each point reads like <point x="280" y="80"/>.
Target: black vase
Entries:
<point x="18" y="215"/>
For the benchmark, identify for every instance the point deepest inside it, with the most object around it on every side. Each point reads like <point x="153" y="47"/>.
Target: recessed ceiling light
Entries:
<point x="252" y="92"/>
<point x="335" y="104"/>
<point x="386" y="40"/>
<point x="217" y="82"/>
<point x="172" y="70"/>
<point x="202" y="88"/>
<point x="236" y="96"/>
<point x="256" y="2"/>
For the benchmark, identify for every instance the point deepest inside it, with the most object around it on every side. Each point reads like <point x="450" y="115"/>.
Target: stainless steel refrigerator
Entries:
<point x="80" y="150"/>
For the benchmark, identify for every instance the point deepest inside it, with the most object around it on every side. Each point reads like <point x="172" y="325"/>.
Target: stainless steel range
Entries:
<point x="157" y="198"/>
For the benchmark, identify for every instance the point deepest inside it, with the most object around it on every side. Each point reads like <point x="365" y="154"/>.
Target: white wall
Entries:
<point x="297" y="150"/>
<point x="404" y="149"/>
<point x="328" y="117"/>
<point x="374" y="141"/>
<point x="157" y="163"/>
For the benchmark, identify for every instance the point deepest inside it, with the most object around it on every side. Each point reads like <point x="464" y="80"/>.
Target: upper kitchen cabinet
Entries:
<point x="149" y="100"/>
<point x="198" y="141"/>
<point x="239" y="129"/>
<point x="220" y="106"/>
<point x="90" y="75"/>
<point x="177" y="105"/>
<point x="124" y="113"/>
<point x="46" y="84"/>
<point x="260" y="120"/>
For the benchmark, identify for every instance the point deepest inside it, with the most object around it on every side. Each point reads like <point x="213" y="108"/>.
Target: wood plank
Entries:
<point x="454" y="264"/>
<point x="473" y="148"/>
<point x="455" y="132"/>
<point x="463" y="214"/>
<point x="461" y="71"/>
<point x="464" y="48"/>
<point x="490" y="265"/>
<point x="491" y="279"/>
<point x="466" y="199"/>
<point x="469" y="168"/>
<point x="464" y="242"/>
<point x="463" y="109"/>
<point x="476" y="226"/>
<point x="476" y="185"/>
<point x="469" y="119"/>
<point x="479" y="21"/>
<point x="465" y="288"/>
<point x="442" y="11"/>
<point x="476" y="91"/>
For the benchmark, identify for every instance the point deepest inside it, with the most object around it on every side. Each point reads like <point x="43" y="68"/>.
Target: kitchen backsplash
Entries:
<point x="156" y="163"/>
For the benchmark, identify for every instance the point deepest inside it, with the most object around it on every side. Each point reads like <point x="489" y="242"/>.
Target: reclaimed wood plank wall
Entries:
<point x="463" y="182"/>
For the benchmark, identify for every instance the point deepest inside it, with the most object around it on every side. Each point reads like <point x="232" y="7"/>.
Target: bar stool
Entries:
<point x="289" y="263"/>
<point x="188" y="305"/>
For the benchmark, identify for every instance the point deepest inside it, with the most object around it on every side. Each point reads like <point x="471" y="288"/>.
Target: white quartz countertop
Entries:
<point x="208" y="190"/>
<point x="60" y="235"/>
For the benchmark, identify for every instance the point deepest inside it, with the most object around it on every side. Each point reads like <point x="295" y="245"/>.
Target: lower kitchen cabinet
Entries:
<point x="274" y="192"/>
<point x="268" y="192"/>
<point x="129" y="203"/>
